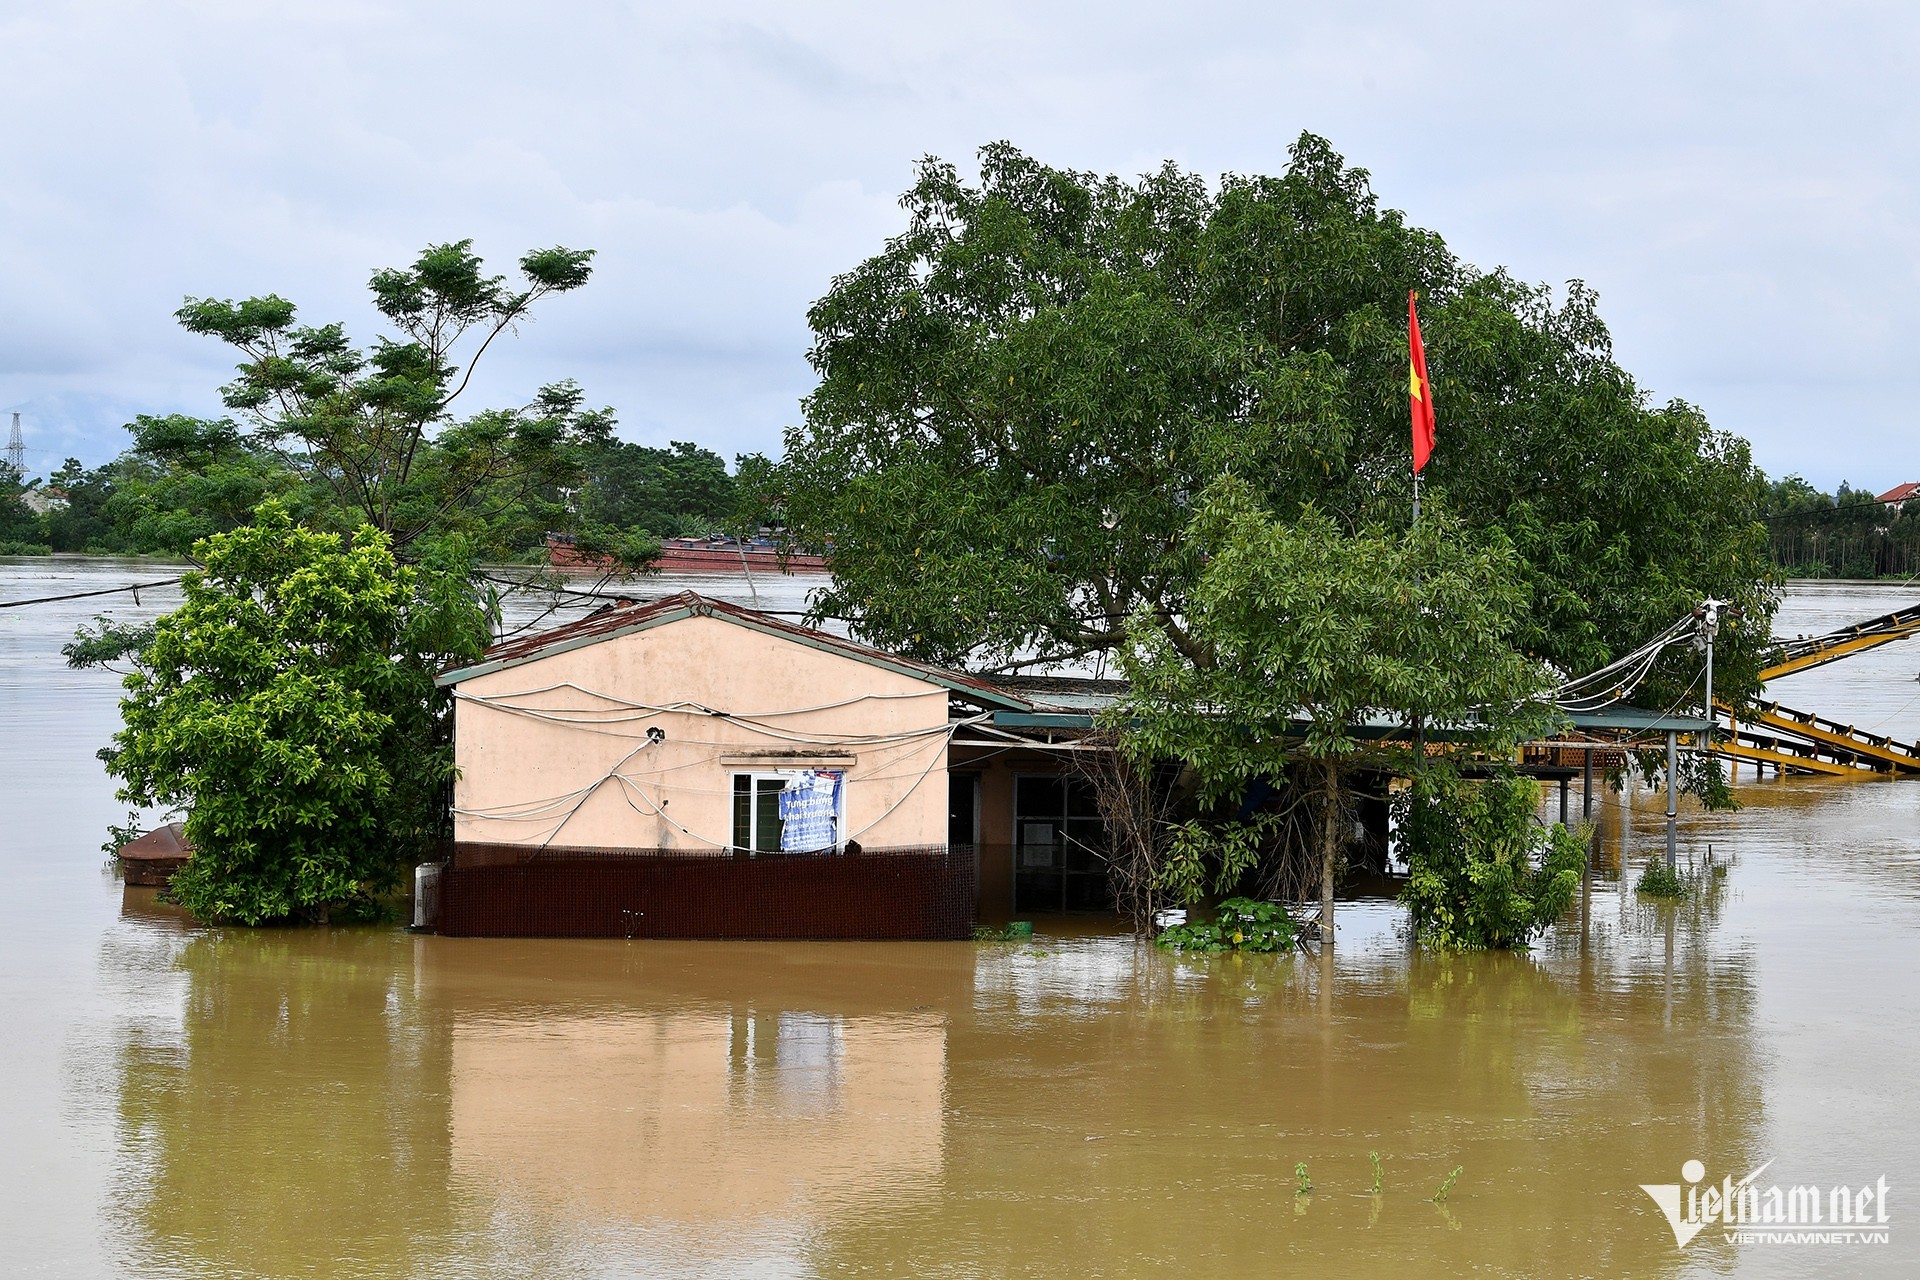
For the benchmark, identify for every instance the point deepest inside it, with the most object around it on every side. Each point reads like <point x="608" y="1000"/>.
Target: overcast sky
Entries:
<point x="1738" y="181"/>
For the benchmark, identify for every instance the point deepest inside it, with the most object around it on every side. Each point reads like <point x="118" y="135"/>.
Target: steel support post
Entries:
<point x="1672" y="812"/>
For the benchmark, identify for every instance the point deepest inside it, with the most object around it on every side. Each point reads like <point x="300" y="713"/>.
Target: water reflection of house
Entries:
<point x="688" y="767"/>
<point x="701" y="1118"/>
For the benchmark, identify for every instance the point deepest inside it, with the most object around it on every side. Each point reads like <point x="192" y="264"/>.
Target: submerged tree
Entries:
<point x="288" y="706"/>
<point x="1483" y="871"/>
<point x="1313" y="654"/>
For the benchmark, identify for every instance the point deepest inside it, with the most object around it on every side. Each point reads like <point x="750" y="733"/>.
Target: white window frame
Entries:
<point x="758" y="797"/>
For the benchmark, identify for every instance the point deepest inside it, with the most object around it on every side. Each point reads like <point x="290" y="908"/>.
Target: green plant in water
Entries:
<point x="1659" y="880"/>
<point x="1373" y="1158"/>
<point x="1484" y="874"/>
<point x="1441" y="1195"/>
<point x="1303" y="1184"/>
<point x="1239" y="924"/>
<point x="1004" y="933"/>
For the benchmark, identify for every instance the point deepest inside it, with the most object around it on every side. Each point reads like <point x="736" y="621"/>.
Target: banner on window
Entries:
<point x="809" y="811"/>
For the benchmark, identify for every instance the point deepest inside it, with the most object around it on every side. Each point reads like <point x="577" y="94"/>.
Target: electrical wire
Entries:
<point x="701" y="707"/>
<point x="1623" y="675"/>
<point x="569" y="717"/>
<point x="83" y="595"/>
<point x="614" y="597"/>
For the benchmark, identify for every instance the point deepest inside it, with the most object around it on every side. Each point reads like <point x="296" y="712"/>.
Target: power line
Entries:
<point x="611" y="597"/>
<point x="82" y="595"/>
<point x="1811" y="512"/>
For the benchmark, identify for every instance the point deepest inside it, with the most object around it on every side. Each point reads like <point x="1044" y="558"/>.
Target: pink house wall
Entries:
<point x="555" y="750"/>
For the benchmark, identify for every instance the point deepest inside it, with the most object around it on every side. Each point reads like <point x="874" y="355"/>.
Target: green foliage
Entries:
<point x="1849" y="533"/>
<point x="345" y="436"/>
<point x="1657" y="880"/>
<point x="758" y="499"/>
<point x="682" y="491"/>
<point x="1447" y="1186"/>
<point x="1373" y="1159"/>
<point x="1023" y="395"/>
<point x="288" y="706"/>
<point x="1212" y="856"/>
<point x="1696" y="774"/>
<point x="121" y="833"/>
<point x="1302" y="1184"/>
<point x="1239" y="924"/>
<point x="185" y="479"/>
<point x="375" y="425"/>
<point x="1301" y="634"/>
<point x="107" y="642"/>
<point x="181" y="480"/>
<point x="21" y="532"/>
<point x="1793" y="495"/>
<point x="628" y="552"/>
<point x="1482" y="872"/>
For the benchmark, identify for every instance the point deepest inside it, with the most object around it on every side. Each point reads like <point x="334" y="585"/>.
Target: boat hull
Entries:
<point x="687" y="555"/>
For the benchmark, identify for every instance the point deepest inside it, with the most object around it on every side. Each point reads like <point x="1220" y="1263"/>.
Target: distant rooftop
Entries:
<point x="1901" y="493"/>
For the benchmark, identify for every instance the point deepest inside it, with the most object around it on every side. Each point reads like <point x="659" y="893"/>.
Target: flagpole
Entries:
<point x="1420" y="392"/>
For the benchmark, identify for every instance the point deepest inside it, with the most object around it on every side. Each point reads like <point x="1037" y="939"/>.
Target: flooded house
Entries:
<point x="687" y="767"/>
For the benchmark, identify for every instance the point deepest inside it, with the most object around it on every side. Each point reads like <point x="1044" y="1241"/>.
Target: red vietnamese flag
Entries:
<point x="1419" y="389"/>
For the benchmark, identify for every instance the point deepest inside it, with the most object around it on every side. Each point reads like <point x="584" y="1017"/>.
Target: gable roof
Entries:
<point x="625" y="617"/>
<point x="1901" y="493"/>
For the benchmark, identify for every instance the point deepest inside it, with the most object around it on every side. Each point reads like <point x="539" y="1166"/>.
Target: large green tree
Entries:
<point x="1021" y="396"/>
<point x="377" y="424"/>
<point x="682" y="491"/>
<point x="288" y="706"/>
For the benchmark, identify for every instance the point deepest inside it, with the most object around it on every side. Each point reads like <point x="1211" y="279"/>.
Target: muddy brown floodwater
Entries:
<point x="361" y="1102"/>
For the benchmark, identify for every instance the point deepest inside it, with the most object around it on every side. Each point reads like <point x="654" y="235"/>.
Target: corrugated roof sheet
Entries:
<point x="1065" y="693"/>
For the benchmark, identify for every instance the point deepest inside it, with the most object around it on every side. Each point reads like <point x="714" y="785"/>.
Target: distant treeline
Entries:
<point x="184" y="478"/>
<point x="1848" y="533"/>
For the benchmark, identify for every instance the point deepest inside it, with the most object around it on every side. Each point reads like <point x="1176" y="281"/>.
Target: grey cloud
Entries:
<point x="1736" y="181"/>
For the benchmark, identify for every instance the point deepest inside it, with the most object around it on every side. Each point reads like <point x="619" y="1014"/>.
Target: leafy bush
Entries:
<point x="1239" y="924"/>
<point x="1658" y="880"/>
<point x="1485" y="873"/>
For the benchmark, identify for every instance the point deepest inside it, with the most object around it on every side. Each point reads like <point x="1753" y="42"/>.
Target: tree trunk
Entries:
<point x="1329" y="846"/>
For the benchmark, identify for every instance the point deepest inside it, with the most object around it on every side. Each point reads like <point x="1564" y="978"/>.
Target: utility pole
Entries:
<point x="1708" y="612"/>
<point x="17" y="451"/>
<point x="1672" y="812"/>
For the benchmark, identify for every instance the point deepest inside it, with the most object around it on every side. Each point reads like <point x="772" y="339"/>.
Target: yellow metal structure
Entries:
<point x="1815" y="744"/>
<point x="1869" y="750"/>
<point x="1816" y="651"/>
<point x="1753" y="754"/>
